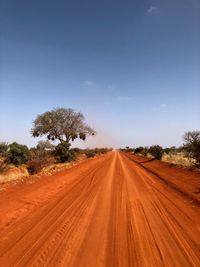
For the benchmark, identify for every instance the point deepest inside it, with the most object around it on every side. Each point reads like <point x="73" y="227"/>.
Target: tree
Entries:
<point x="63" y="153"/>
<point x="192" y="144"/>
<point x="17" y="154"/>
<point x="156" y="151"/>
<point x="45" y="146"/>
<point x="64" y="125"/>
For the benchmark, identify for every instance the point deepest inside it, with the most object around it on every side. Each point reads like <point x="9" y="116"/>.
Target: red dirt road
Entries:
<point x="105" y="212"/>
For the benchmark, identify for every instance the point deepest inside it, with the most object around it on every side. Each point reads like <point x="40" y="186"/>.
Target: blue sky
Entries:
<point x="131" y="67"/>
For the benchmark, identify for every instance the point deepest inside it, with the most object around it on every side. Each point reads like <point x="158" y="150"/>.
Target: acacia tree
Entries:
<point x="64" y="125"/>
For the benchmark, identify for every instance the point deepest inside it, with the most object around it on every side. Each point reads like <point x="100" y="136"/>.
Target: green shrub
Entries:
<point x="141" y="150"/>
<point x="17" y="154"/>
<point x="3" y="149"/>
<point x="138" y="149"/>
<point x="77" y="150"/>
<point x="64" y="153"/>
<point x="170" y="150"/>
<point x="128" y="149"/>
<point x="156" y="151"/>
<point x="90" y="153"/>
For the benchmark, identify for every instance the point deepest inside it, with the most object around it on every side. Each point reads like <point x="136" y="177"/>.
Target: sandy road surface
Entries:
<point x="107" y="212"/>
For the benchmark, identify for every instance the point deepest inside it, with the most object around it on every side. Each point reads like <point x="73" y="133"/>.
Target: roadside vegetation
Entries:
<point x="43" y="155"/>
<point x="61" y="127"/>
<point x="187" y="155"/>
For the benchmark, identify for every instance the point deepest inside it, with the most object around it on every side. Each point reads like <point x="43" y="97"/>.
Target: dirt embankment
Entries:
<point x="12" y="173"/>
<point x="105" y="212"/>
<point x="183" y="180"/>
<point x="17" y="174"/>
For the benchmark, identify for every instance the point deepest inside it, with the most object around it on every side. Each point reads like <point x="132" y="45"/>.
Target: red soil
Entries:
<point x="109" y="211"/>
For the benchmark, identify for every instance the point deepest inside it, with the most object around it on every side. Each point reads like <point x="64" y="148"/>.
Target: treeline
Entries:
<point x="156" y="151"/>
<point x="44" y="154"/>
<point x="190" y="147"/>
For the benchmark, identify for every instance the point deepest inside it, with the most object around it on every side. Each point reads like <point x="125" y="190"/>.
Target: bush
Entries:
<point x="99" y="150"/>
<point x="156" y="151"/>
<point x="128" y="149"/>
<point x="35" y="163"/>
<point x="77" y="150"/>
<point x="90" y="153"/>
<point x="38" y="159"/>
<point x="17" y="154"/>
<point x="141" y="150"/>
<point x="103" y="150"/>
<point x="138" y="149"/>
<point x="192" y="145"/>
<point x="3" y="149"/>
<point x="169" y="150"/>
<point x="63" y="153"/>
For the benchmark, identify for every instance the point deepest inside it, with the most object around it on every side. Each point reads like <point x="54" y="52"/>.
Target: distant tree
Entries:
<point x="192" y="144"/>
<point x="156" y="151"/>
<point x="45" y="145"/>
<point x="64" y="125"/>
<point x="77" y="150"/>
<point x="128" y="149"/>
<point x="90" y="153"/>
<point x="138" y="149"/>
<point x="141" y="150"/>
<point x="17" y="154"/>
<point x="168" y="150"/>
<point x="181" y="149"/>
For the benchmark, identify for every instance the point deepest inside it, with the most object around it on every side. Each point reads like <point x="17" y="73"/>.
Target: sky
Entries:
<point x="132" y="67"/>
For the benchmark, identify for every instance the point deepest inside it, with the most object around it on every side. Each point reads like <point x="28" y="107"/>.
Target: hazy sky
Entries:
<point x="132" y="67"/>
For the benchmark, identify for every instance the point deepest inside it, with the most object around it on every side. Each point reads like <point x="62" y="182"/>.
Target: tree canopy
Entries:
<point x="61" y="124"/>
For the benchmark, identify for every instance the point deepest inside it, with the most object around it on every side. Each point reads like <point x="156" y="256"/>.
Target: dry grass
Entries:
<point x="56" y="167"/>
<point x="178" y="159"/>
<point x="11" y="173"/>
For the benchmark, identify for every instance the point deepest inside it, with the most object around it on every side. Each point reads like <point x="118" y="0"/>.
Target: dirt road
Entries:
<point x="107" y="212"/>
